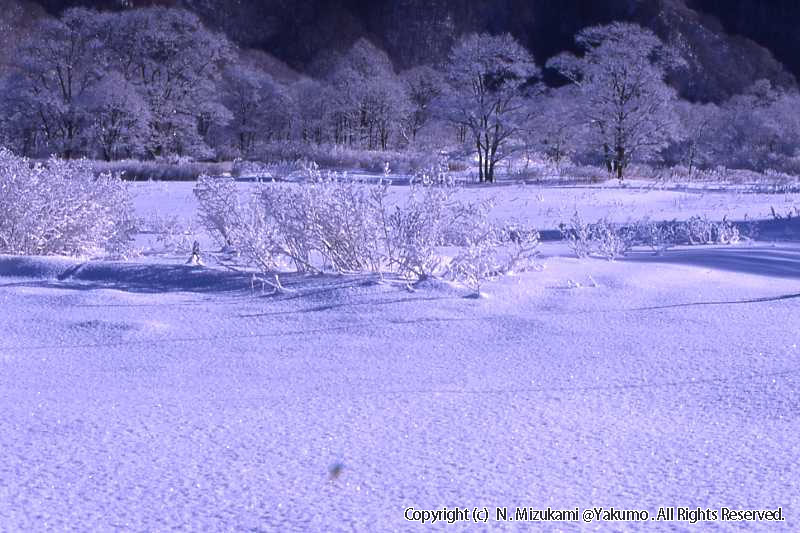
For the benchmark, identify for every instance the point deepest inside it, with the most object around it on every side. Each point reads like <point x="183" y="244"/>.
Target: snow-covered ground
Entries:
<point x="545" y="207"/>
<point x="154" y="396"/>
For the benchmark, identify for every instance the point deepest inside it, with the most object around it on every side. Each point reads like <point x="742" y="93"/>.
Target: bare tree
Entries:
<point x="369" y="100"/>
<point x="423" y="85"/>
<point x="698" y="124"/>
<point x="120" y="117"/>
<point x="624" y="97"/>
<point x="260" y="107"/>
<point x="313" y="116"/>
<point x="20" y="126"/>
<point x="757" y="129"/>
<point x="60" y="63"/>
<point x="554" y="127"/>
<point x="17" y="21"/>
<point x="175" y="62"/>
<point x="486" y="76"/>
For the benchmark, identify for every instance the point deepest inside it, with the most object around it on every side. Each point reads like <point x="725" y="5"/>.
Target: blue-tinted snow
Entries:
<point x="152" y="395"/>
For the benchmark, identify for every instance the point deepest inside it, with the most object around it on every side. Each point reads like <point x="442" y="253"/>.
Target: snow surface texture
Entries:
<point x="153" y="395"/>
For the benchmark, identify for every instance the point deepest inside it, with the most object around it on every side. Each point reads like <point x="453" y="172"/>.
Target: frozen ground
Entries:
<point x="153" y="396"/>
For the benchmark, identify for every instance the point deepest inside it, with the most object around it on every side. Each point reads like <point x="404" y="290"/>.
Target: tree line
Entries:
<point x="155" y="83"/>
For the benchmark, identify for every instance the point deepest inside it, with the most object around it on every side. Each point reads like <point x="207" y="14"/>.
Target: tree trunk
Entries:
<point x="607" y="156"/>
<point x="480" y="165"/>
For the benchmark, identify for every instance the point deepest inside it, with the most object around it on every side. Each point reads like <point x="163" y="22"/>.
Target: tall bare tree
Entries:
<point x="61" y="62"/>
<point x="625" y="99"/>
<point x="486" y="77"/>
<point x="176" y="63"/>
<point x="423" y="85"/>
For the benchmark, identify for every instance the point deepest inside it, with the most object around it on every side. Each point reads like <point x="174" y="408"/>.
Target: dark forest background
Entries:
<point x="357" y="83"/>
<point x="734" y="41"/>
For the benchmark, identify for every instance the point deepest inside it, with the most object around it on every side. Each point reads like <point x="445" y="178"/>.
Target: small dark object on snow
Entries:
<point x="195" y="259"/>
<point x="335" y="471"/>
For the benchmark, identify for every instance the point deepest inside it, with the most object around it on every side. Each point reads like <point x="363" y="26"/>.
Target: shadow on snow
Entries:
<point x="760" y="260"/>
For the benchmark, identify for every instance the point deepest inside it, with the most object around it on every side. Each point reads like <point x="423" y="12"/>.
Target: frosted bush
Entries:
<point x="792" y="212"/>
<point x="159" y="170"/>
<point x="660" y="236"/>
<point x="258" y="170"/>
<point x="700" y="230"/>
<point x="578" y="235"/>
<point x="521" y="246"/>
<point x="331" y="215"/>
<point x="220" y="207"/>
<point x="477" y="261"/>
<point x="239" y="224"/>
<point x="491" y="251"/>
<point x="338" y="156"/>
<point x="329" y="222"/>
<point x="62" y="208"/>
<point x="430" y="218"/>
<point x="767" y="182"/>
<point x="611" y="242"/>
<point x="696" y="230"/>
<point x="727" y="232"/>
<point x="332" y="222"/>
<point x="601" y="238"/>
<point x="415" y="232"/>
<point x="171" y="233"/>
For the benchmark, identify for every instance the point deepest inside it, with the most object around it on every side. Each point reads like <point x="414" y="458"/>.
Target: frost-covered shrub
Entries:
<point x="701" y="230"/>
<point x="521" y="248"/>
<point x="240" y="224"/>
<point x="219" y="207"/>
<point x="577" y="233"/>
<point x="171" y="233"/>
<point x="727" y="232"/>
<point x="602" y="238"/>
<point x="789" y="214"/>
<point x="328" y="222"/>
<point x="477" y="261"/>
<point x="767" y="182"/>
<point x="336" y="217"/>
<point x="695" y="230"/>
<point x="535" y="166"/>
<point x="698" y="230"/>
<point x="336" y="156"/>
<point x="491" y="251"/>
<point x="430" y="218"/>
<point x="331" y="222"/>
<point x="660" y="236"/>
<point x="176" y="170"/>
<point x="61" y="208"/>
<point x="415" y="233"/>
<point x="611" y="242"/>
<point x="586" y="173"/>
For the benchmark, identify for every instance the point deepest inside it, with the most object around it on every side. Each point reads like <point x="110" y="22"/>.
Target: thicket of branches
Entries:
<point x="60" y="207"/>
<point x="332" y="222"/>
<point x="154" y="83"/>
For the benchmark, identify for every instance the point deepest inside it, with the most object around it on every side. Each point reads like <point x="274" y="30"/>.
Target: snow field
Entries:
<point x="157" y="396"/>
